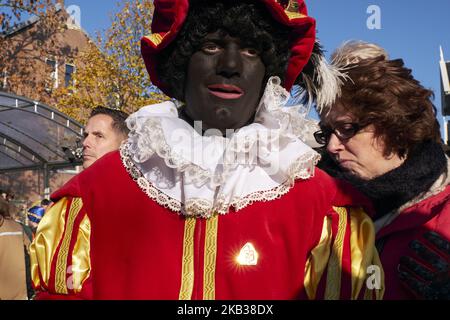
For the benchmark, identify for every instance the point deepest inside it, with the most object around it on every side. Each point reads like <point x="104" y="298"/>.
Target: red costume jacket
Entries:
<point x="431" y="214"/>
<point x="106" y="239"/>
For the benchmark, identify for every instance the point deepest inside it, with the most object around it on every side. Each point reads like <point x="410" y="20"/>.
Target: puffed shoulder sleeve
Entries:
<point x="60" y="252"/>
<point x="345" y="263"/>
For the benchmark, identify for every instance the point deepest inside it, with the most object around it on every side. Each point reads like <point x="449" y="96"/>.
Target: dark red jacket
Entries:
<point x="431" y="214"/>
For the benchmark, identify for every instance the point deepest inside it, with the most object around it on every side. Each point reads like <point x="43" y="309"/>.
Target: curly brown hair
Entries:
<point x="384" y="93"/>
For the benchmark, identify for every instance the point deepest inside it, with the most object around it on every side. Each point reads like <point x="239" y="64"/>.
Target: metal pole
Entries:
<point x="46" y="182"/>
<point x="446" y="137"/>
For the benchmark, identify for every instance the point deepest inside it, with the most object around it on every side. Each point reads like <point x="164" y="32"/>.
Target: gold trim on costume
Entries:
<point x="61" y="262"/>
<point x="317" y="262"/>
<point x="292" y="6"/>
<point x="292" y="10"/>
<point x="210" y="258"/>
<point x="333" y="287"/>
<point x="294" y="15"/>
<point x="187" y="268"/>
<point x="155" y="38"/>
<point x="49" y="234"/>
<point x="363" y="253"/>
<point x="81" y="263"/>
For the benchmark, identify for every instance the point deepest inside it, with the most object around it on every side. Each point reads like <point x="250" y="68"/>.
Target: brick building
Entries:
<point x="38" y="57"/>
<point x="41" y="55"/>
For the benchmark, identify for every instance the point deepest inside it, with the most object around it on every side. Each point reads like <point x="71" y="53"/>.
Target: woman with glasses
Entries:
<point x="382" y="136"/>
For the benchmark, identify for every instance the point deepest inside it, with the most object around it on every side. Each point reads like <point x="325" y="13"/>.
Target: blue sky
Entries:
<point x="410" y="29"/>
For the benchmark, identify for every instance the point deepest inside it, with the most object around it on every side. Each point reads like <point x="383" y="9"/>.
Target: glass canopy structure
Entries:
<point x="34" y="136"/>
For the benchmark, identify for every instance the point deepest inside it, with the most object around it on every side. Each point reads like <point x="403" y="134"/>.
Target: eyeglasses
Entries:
<point x="343" y="131"/>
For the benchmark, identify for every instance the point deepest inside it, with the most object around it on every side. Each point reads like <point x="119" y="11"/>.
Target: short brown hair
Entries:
<point x="384" y="93"/>
<point x="117" y="116"/>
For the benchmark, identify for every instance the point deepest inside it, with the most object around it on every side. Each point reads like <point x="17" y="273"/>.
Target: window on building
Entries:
<point x="70" y="69"/>
<point x="53" y="67"/>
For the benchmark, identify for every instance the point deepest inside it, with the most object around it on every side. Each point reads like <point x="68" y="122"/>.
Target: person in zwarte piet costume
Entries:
<point x="218" y="198"/>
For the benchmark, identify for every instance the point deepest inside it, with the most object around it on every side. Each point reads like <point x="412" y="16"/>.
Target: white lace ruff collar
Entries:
<point x="199" y="175"/>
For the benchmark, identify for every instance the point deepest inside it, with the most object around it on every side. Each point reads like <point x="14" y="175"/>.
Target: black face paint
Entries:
<point x="224" y="83"/>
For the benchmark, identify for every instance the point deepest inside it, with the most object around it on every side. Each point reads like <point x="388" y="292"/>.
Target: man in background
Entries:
<point x="104" y="132"/>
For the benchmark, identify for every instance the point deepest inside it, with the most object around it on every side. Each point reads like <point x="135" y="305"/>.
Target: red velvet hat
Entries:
<point x="169" y="17"/>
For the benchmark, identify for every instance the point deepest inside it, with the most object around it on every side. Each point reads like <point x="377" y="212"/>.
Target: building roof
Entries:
<point x="35" y="136"/>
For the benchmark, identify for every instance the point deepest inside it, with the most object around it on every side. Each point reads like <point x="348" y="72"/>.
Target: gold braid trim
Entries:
<point x="155" y="38"/>
<point x="61" y="262"/>
<point x="294" y="15"/>
<point x="292" y="10"/>
<point x="210" y="258"/>
<point x="187" y="269"/>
